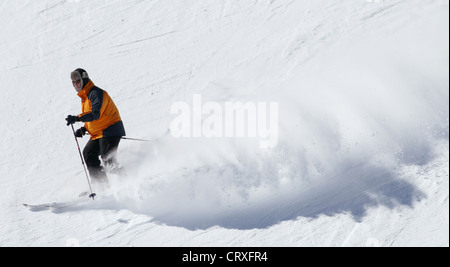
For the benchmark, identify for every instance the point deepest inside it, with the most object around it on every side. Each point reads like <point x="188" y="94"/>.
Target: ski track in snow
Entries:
<point x="362" y="158"/>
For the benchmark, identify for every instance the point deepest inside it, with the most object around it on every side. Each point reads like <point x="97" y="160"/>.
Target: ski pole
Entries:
<point x="136" y="139"/>
<point x="92" y="195"/>
<point x="144" y="140"/>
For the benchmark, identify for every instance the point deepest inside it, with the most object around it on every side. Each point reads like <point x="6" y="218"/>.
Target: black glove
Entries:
<point x="80" y="132"/>
<point x="72" y="119"/>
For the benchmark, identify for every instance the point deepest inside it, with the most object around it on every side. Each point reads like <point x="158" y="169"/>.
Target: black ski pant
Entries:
<point x="106" y="149"/>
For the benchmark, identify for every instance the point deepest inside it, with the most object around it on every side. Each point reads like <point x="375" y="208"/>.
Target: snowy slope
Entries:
<point x="363" y="129"/>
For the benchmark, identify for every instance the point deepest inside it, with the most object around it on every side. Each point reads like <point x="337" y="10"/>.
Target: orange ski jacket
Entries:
<point x="99" y="113"/>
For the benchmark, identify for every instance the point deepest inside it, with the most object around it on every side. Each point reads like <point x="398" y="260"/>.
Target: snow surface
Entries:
<point x="362" y="156"/>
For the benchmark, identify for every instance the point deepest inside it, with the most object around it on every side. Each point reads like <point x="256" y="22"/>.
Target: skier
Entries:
<point x="103" y="123"/>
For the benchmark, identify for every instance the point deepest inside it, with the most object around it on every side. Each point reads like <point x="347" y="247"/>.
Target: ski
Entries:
<point x="54" y="205"/>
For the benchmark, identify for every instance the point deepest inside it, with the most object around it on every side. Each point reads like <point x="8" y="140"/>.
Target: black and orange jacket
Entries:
<point x="100" y="114"/>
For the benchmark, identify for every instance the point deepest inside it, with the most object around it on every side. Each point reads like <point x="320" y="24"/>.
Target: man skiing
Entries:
<point x="103" y="123"/>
